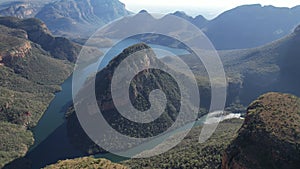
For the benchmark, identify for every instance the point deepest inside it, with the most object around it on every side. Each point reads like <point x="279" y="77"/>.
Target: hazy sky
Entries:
<point x="207" y="8"/>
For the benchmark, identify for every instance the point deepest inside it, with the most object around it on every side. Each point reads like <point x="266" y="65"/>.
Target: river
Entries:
<point x="50" y="134"/>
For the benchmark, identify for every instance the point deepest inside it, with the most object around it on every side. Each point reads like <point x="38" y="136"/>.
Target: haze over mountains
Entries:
<point x="242" y="27"/>
<point x="252" y="72"/>
<point x="35" y="60"/>
<point x="248" y="26"/>
<point x="68" y="17"/>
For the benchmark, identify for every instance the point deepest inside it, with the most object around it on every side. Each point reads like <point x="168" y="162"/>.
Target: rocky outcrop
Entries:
<point x="269" y="137"/>
<point x="20" y="51"/>
<point x="21" y="9"/>
<point x="80" y="17"/>
<point x="59" y="47"/>
<point x="14" y="44"/>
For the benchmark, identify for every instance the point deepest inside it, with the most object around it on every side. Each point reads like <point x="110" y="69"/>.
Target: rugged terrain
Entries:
<point x="29" y="77"/>
<point x="253" y="72"/>
<point x="38" y="32"/>
<point x="71" y="18"/>
<point x="140" y="87"/>
<point x="269" y="137"/>
<point x="245" y="26"/>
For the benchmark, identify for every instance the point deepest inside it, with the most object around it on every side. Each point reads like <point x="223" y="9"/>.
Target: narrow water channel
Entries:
<point x="51" y="139"/>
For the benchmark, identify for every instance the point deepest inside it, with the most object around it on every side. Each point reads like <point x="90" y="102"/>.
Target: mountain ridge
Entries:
<point x="38" y="32"/>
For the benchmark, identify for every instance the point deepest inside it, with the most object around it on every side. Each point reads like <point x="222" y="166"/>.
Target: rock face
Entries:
<point x="19" y="51"/>
<point x="72" y="18"/>
<point x="269" y="137"/>
<point x="15" y="44"/>
<point x="80" y="16"/>
<point x="22" y="9"/>
<point x="37" y="31"/>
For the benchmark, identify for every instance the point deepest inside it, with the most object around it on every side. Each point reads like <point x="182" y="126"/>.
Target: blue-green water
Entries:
<point x="51" y="139"/>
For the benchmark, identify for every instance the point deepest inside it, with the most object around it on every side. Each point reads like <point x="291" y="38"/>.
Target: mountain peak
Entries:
<point x="179" y="13"/>
<point x="143" y="11"/>
<point x="131" y="50"/>
<point x="183" y="15"/>
<point x="136" y="47"/>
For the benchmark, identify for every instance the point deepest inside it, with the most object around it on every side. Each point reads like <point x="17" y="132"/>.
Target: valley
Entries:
<point x="44" y="115"/>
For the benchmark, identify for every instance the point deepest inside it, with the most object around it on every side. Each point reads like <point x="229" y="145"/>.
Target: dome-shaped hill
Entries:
<point x="269" y="137"/>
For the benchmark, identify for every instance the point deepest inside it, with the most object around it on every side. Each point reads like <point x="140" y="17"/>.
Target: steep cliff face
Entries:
<point x="19" y="51"/>
<point x="269" y="137"/>
<point x="71" y="18"/>
<point x="22" y="9"/>
<point x="14" y="44"/>
<point x="59" y="47"/>
<point x="80" y="17"/>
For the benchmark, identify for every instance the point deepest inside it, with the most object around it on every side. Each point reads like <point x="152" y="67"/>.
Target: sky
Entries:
<point x="207" y="8"/>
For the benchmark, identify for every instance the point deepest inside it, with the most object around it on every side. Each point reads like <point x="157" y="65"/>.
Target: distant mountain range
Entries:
<point x="252" y="72"/>
<point x="68" y="17"/>
<point x="33" y="63"/>
<point x="247" y="26"/>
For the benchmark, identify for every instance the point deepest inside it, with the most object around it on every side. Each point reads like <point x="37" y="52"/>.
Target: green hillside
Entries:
<point x="29" y="77"/>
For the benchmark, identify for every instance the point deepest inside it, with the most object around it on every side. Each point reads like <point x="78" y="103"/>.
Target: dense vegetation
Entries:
<point x="253" y="72"/>
<point x="140" y="87"/>
<point x="269" y="138"/>
<point x="38" y="32"/>
<point x="29" y="77"/>
<point x="14" y="141"/>
<point x="86" y="163"/>
<point x="192" y="154"/>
